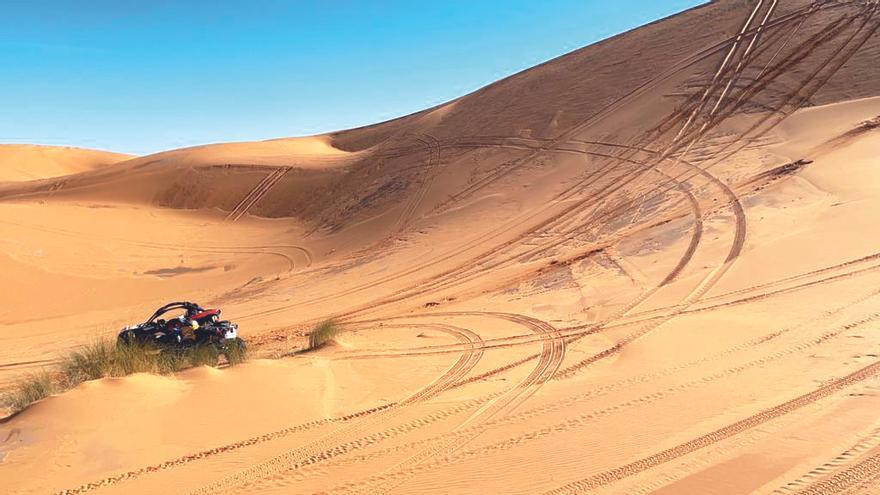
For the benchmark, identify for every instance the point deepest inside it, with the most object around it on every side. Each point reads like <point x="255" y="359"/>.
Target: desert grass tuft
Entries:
<point x="105" y="358"/>
<point x="203" y="355"/>
<point x="236" y="353"/>
<point x="30" y="389"/>
<point x="323" y="333"/>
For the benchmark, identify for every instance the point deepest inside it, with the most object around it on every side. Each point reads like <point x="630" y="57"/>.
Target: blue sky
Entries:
<point x="144" y="76"/>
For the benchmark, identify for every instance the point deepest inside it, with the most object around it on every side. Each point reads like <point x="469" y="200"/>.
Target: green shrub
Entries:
<point x="323" y="333"/>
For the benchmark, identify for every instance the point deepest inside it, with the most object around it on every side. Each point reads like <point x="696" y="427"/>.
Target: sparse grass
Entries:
<point x="322" y="333"/>
<point x="203" y="356"/>
<point x="105" y="358"/>
<point x="29" y="390"/>
<point x="236" y="353"/>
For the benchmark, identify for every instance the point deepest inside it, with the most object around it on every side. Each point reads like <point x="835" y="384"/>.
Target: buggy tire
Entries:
<point x="128" y="337"/>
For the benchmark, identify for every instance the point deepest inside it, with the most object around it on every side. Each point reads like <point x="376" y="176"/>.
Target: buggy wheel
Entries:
<point x="126" y="338"/>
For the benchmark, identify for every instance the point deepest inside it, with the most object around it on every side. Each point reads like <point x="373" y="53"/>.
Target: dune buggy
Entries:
<point x="183" y="326"/>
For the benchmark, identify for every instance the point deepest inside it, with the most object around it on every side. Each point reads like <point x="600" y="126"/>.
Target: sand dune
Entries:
<point x="649" y="265"/>
<point x="22" y="162"/>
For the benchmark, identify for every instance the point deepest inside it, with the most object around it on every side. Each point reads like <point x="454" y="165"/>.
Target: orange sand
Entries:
<point x="647" y="266"/>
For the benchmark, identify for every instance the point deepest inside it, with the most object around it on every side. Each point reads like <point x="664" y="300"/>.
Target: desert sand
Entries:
<point x="24" y="162"/>
<point x="647" y="266"/>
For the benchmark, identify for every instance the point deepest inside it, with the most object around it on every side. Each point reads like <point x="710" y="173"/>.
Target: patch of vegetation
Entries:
<point x="236" y="353"/>
<point x="323" y="333"/>
<point x="29" y="390"/>
<point x="106" y="358"/>
<point x="203" y="355"/>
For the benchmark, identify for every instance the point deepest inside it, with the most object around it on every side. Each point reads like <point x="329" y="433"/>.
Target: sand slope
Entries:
<point x="22" y="162"/>
<point x="647" y="266"/>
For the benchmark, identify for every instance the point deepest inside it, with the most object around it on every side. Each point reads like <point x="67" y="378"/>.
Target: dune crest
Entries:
<point x="24" y="162"/>
<point x="646" y="266"/>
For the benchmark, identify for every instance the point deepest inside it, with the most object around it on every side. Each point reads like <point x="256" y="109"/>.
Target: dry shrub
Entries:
<point x="323" y="333"/>
<point x="105" y="358"/>
<point x="30" y="389"/>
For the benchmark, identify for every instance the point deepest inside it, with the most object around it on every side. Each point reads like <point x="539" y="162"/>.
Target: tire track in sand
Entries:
<point x="466" y="361"/>
<point x="442" y="414"/>
<point x="336" y="444"/>
<point x="588" y="329"/>
<point x="257" y="193"/>
<point x="861" y="478"/>
<point x="607" y="477"/>
<point x="432" y="145"/>
<point x="584" y="418"/>
<point x="553" y="352"/>
<point x="702" y="55"/>
<point x="821" y="479"/>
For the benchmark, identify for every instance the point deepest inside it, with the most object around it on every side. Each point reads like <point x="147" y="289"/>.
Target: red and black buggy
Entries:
<point x="185" y="325"/>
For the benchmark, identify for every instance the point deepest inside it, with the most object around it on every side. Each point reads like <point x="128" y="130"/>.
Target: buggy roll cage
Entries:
<point x="191" y="309"/>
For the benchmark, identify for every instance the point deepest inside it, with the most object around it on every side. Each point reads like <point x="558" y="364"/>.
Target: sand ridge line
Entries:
<point x="708" y="52"/>
<point x="382" y="281"/>
<point x="815" y="41"/>
<point x="274" y="250"/>
<point x="446" y="256"/>
<point x="568" y="192"/>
